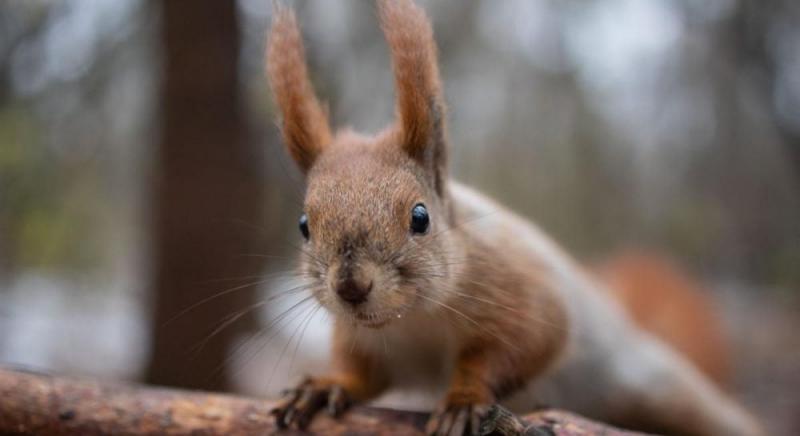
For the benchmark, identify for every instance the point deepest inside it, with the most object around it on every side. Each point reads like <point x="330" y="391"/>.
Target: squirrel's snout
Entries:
<point x="353" y="292"/>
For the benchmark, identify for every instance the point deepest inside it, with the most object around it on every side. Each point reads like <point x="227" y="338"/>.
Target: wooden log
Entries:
<point x="41" y="404"/>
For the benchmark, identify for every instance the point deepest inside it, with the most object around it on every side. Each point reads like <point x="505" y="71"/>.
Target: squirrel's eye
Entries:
<point x="420" y="221"/>
<point x="304" y="225"/>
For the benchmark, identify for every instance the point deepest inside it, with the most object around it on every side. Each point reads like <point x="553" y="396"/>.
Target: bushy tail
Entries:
<point x="665" y="301"/>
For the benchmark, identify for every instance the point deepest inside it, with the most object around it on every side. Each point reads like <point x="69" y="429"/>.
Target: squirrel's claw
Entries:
<point x="301" y="404"/>
<point x="452" y="420"/>
<point x="474" y="420"/>
<point x="284" y="410"/>
<point x="337" y="401"/>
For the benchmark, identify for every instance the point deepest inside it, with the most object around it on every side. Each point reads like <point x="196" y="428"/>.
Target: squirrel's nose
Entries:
<point x="353" y="292"/>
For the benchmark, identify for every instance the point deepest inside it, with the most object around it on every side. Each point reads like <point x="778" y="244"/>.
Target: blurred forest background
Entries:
<point x="141" y="171"/>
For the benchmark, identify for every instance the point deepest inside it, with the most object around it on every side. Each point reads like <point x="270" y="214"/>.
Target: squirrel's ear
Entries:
<point x="420" y="104"/>
<point x="304" y="121"/>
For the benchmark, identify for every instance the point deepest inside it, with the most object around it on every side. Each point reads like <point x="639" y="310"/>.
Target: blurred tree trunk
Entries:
<point x="748" y="32"/>
<point x="207" y="183"/>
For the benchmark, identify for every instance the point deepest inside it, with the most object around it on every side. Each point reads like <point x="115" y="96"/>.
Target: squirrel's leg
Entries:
<point x="482" y="373"/>
<point x="663" y="391"/>
<point x="356" y="377"/>
<point x="468" y="399"/>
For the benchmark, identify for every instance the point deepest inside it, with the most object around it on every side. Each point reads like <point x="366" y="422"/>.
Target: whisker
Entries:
<point x="232" y="318"/>
<point x="465" y="278"/>
<point x="286" y="273"/>
<point x="302" y="334"/>
<point x="456" y="311"/>
<point x="285" y="347"/>
<point x="272" y="325"/>
<point x="228" y="320"/>
<point x="218" y="295"/>
<point x="524" y="314"/>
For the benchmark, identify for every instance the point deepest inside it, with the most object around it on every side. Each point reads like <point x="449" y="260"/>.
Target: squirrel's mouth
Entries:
<point x="377" y="320"/>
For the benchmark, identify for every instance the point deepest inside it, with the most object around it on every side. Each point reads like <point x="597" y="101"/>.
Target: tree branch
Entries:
<point x="32" y="403"/>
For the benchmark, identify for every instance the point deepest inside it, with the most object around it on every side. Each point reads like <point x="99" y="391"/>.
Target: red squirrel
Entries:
<point x="431" y="283"/>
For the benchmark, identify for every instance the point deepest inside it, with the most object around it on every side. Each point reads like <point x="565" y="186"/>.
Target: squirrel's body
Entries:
<point x="431" y="283"/>
<point x="607" y="368"/>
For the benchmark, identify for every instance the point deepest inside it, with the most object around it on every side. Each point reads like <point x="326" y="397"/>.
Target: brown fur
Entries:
<point x="305" y="123"/>
<point x="481" y="299"/>
<point x="420" y="104"/>
<point x="665" y="301"/>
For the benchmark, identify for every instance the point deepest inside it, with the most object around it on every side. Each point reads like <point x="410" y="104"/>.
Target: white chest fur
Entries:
<point x="418" y="350"/>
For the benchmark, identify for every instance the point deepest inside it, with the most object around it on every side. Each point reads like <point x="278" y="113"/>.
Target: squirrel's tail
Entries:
<point x="665" y="301"/>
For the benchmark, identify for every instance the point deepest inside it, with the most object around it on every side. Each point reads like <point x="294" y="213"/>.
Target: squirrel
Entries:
<point x="431" y="283"/>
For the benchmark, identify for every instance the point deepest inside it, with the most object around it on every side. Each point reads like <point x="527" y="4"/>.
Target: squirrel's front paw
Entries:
<point x="300" y="404"/>
<point x="474" y="419"/>
<point x="457" y="420"/>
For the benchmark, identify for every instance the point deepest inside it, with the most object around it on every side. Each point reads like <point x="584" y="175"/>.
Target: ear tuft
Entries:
<point x="420" y="104"/>
<point x="305" y="125"/>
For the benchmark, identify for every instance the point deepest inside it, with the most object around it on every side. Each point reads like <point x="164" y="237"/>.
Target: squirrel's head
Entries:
<point x="376" y="211"/>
